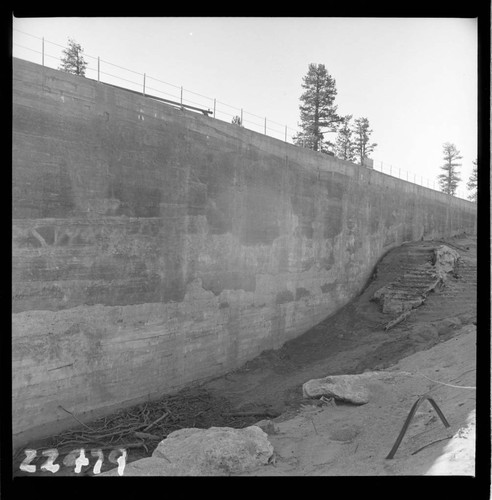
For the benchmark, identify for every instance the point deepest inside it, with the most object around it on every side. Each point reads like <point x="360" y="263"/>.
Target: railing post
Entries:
<point x="181" y="97"/>
<point x="286" y="133"/>
<point x="265" y="125"/>
<point x="98" y="68"/>
<point x="242" y="117"/>
<point x="399" y="173"/>
<point x="42" y="51"/>
<point x="143" y="93"/>
<point x="214" y="107"/>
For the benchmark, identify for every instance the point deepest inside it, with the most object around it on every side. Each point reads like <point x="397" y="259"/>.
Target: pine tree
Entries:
<point x="318" y="111"/>
<point x="448" y="181"/>
<point x="345" y="146"/>
<point x="362" y="133"/>
<point x="472" y="183"/>
<point x="73" y="61"/>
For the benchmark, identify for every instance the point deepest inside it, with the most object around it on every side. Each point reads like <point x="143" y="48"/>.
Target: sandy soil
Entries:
<point x="350" y="440"/>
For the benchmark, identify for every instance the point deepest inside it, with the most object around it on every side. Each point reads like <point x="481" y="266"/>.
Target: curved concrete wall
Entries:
<point x="153" y="247"/>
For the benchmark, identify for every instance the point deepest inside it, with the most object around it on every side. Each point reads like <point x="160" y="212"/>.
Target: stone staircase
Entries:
<point x="410" y="283"/>
<point x="459" y="294"/>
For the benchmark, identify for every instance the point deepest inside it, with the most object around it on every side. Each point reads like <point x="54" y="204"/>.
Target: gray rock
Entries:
<point x="218" y="451"/>
<point x="387" y="298"/>
<point x="348" y="388"/>
<point x="391" y="302"/>
<point x="445" y="260"/>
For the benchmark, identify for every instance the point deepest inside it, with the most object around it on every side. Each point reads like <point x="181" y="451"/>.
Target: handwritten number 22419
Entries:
<point x="76" y="457"/>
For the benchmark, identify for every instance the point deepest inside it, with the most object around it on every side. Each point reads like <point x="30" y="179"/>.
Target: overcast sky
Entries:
<point x="415" y="79"/>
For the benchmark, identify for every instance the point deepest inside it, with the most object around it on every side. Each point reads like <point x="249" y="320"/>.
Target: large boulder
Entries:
<point x="217" y="451"/>
<point x="354" y="389"/>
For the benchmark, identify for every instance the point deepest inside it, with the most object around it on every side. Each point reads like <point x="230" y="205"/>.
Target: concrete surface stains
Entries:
<point x="145" y="228"/>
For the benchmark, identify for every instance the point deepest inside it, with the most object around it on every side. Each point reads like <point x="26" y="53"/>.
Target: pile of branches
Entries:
<point x="145" y="425"/>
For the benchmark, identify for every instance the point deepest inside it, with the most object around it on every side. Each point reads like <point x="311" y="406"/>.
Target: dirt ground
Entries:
<point x="349" y="440"/>
<point x="437" y="341"/>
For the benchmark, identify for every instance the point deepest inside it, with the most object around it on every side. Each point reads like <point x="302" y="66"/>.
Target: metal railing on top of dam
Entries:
<point x="177" y="95"/>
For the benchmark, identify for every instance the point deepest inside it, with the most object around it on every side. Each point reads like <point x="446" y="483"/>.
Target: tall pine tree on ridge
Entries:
<point x="345" y="146"/>
<point x="73" y="61"/>
<point x="318" y="111"/>
<point x="472" y="183"/>
<point x="448" y="181"/>
<point x="362" y="134"/>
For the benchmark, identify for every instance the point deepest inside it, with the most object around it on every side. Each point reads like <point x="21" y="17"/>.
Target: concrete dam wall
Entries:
<point x="154" y="246"/>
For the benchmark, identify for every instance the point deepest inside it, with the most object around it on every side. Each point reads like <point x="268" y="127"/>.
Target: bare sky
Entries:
<point x="415" y="79"/>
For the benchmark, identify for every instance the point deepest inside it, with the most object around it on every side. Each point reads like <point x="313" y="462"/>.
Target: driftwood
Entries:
<point x="142" y="425"/>
<point x="155" y="421"/>
<point x="74" y="417"/>
<point x="398" y="320"/>
<point x="146" y="435"/>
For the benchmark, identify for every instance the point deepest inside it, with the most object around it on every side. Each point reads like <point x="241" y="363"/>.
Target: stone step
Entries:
<point x="415" y="281"/>
<point x="410" y="289"/>
<point x="416" y="288"/>
<point x="449" y="298"/>
<point x="418" y="274"/>
<point x="401" y="290"/>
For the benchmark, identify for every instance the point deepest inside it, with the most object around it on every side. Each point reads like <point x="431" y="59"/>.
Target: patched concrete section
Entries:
<point x="148" y="254"/>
